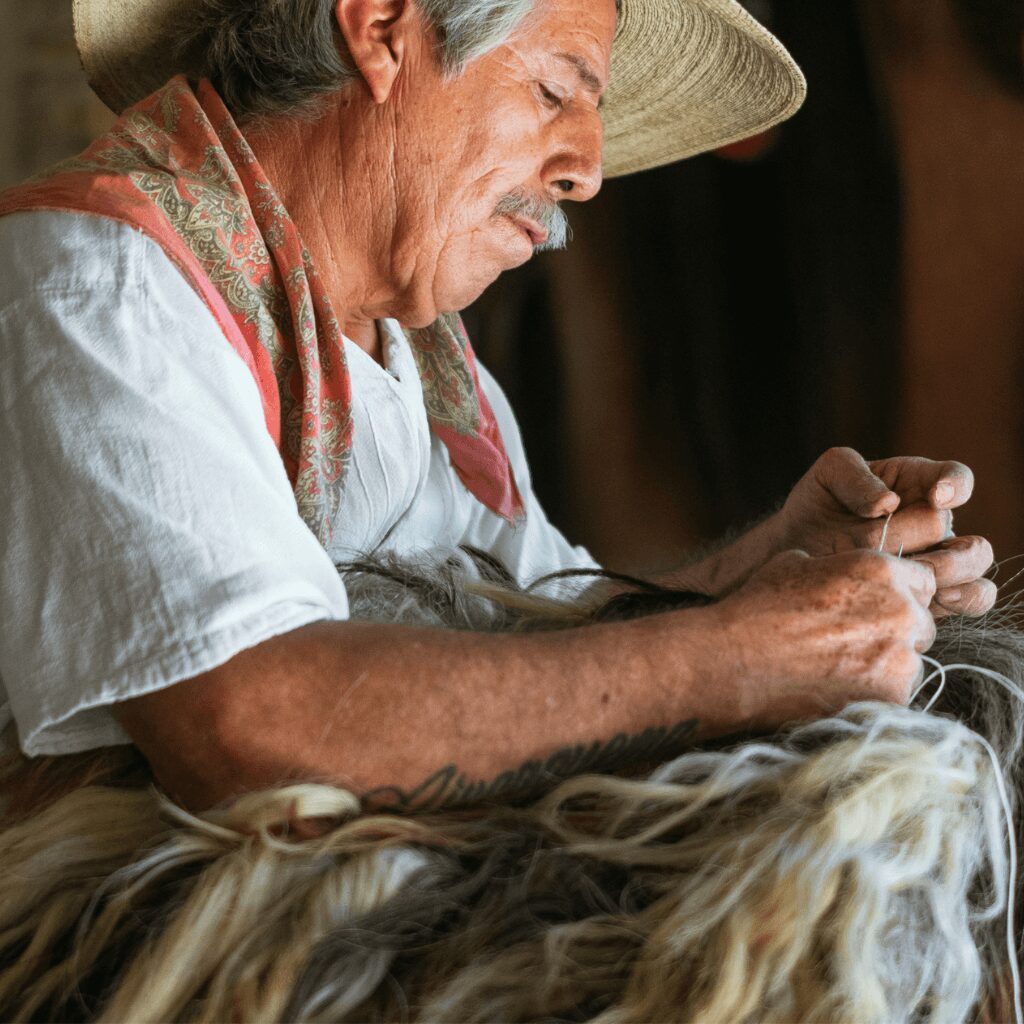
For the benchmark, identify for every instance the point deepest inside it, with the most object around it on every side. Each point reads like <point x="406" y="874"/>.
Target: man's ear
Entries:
<point x="376" y="33"/>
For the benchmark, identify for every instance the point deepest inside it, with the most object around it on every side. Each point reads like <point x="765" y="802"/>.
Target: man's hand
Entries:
<point x="901" y="505"/>
<point x="414" y="718"/>
<point x="420" y="717"/>
<point x="810" y="635"/>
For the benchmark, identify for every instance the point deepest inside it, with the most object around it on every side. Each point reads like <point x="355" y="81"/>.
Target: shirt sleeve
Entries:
<point x="534" y="547"/>
<point x="150" y="531"/>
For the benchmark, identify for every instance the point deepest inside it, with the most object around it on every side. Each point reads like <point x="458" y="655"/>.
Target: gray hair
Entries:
<point x="268" y="57"/>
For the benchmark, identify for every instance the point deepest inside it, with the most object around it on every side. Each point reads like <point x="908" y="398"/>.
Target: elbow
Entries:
<point x="194" y="736"/>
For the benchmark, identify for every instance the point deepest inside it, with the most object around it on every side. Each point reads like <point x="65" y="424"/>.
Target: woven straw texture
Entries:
<point x="687" y="75"/>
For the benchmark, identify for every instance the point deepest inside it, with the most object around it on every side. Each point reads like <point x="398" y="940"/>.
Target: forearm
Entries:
<point x="432" y="716"/>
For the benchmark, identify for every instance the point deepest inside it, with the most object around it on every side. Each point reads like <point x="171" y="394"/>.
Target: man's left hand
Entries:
<point x="844" y="503"/>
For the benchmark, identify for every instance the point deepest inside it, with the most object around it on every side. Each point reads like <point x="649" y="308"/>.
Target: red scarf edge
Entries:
<point x="75" y="192"/>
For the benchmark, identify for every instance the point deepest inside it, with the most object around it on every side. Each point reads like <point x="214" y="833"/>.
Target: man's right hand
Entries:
<point x="811" y="635"/>
<point x="435" y="717"/>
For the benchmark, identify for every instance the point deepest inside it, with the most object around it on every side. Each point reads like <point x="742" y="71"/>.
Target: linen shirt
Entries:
<point x="150" y="532"/>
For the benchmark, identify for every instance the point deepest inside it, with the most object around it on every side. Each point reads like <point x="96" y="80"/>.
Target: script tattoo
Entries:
<point x="448" y="788"/>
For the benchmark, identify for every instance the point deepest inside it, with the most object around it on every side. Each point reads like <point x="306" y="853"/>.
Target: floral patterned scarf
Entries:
<point x="176" y="167"/>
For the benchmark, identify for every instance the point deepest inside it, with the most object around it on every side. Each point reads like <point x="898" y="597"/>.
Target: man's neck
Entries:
<point x="320" y="172"/>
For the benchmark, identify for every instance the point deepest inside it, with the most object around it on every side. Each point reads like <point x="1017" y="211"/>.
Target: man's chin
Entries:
<point x="465" y="298"/>
<point x="450" y="300"/>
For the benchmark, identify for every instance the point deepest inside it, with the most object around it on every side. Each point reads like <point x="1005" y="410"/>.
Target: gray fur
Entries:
<point x="603" y="901"/>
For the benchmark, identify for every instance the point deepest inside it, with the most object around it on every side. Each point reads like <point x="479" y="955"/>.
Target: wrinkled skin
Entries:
<point x="834" y="597"/>
<point x="396" y="195"/>
<point x="394" y="190"/>
<point x="844" y="504"/>
<point x="858" y="621"/>
<point x="424" y="238"/>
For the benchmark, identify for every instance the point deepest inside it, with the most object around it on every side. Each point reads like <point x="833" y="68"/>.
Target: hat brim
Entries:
<point x="686" y="75"/>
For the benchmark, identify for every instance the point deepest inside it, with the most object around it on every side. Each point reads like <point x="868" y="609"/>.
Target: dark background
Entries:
<point x="855" y="278"/>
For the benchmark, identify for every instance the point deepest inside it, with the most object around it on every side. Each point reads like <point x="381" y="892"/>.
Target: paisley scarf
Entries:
<point x="176" y="167"/>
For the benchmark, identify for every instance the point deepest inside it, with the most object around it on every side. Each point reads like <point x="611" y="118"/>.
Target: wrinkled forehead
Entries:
<point x="586" y="27"/>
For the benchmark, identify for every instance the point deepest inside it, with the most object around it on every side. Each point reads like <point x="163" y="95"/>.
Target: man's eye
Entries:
<point x="552" y="99"/>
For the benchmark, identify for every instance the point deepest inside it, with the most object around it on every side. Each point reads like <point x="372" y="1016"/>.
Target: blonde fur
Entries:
<point x="851" y="870"/>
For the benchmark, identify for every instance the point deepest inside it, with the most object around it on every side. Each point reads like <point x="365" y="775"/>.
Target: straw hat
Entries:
<point x="686" y="75"/>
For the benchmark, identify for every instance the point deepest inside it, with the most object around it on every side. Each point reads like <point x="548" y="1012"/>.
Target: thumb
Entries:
<point x="849" y="479"/>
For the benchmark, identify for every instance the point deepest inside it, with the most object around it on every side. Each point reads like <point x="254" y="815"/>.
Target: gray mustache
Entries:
<point x="546" y="213"/>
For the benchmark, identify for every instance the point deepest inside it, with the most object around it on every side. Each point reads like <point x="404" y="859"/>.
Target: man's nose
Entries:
<point x="574" y="172"/>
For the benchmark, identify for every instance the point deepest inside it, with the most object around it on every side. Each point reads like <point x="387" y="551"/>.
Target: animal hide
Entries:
<point x="852" y="870"/>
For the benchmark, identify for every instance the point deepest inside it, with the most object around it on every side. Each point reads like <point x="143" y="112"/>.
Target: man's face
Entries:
<point x="481" y="158"/>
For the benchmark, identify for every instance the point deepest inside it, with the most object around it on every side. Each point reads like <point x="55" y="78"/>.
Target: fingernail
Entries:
<point x="943" y="494"/>
<point x="948" y="597"/>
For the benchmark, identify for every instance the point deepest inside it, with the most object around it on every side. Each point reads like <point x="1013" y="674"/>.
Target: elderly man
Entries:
<point x="208" y="400"/>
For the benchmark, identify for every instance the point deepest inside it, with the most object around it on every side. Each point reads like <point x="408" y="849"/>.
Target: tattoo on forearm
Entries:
<point x="448" y="788"/>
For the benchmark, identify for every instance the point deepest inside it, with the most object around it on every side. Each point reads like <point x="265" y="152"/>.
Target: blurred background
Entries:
<point x="856" y="278"/>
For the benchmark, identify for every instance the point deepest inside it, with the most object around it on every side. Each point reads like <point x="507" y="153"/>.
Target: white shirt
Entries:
<point x="149" y="531"/>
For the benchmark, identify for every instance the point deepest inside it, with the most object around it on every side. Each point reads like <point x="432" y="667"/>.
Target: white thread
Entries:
<point x="940" y="671"/>
<point x="885" y="533"/>
<point x="1011" y="908"/>
<point x="1011" y="898"/>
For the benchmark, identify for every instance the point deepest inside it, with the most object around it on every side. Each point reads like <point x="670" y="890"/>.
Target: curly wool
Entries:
<point x="853" y="869"/>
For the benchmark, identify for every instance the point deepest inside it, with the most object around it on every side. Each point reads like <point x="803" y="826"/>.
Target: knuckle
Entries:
<point x="904" y="621"/>
<point x="970" y="552"/>
<point x="928" y="633"/>
<point x="910" y="625"/>
<point x="888" y="571"/>
<point x="905" y="668"/>
<point x="926" y="577"/>
<point x="837" y="455"/>
<point x="872" y="565"/>
<point x="938" y="522"/>
<point x="895" y="677"/>
<point x="968" y="545"/>
<point x="977" y="556"/>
